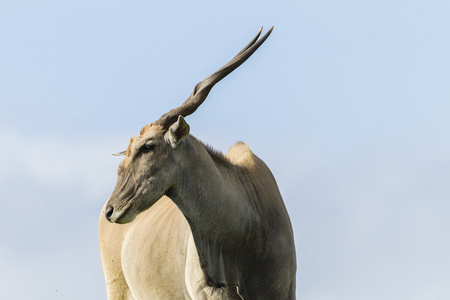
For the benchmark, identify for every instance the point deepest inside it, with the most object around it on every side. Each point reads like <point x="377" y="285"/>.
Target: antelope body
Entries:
<point x="186" y="222"/>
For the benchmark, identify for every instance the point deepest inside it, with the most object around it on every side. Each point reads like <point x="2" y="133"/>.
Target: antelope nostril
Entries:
<point x="108" y="212"/>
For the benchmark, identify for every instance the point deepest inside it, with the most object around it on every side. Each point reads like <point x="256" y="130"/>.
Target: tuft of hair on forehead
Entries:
<point x="147" y="128"/>
<point x="143" y="131"/>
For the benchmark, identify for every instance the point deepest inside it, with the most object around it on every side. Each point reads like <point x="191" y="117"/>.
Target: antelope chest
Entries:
<point x="155" y="253"/>
<point x="156" y="257"/>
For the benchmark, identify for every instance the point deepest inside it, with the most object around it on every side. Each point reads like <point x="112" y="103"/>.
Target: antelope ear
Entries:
<point x="177" y="132"/>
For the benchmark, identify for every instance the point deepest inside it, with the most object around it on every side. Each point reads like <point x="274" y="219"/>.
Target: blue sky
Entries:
<point x="347" y="102"/>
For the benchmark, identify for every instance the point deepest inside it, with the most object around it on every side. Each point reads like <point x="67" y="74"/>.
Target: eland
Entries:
<point x="187" y="222"/>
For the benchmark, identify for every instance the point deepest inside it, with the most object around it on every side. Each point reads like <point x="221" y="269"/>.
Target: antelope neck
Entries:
<point x="215" y="197"/>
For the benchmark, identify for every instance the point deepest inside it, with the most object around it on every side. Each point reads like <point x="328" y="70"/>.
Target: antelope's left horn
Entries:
<point x="203" y="88"/>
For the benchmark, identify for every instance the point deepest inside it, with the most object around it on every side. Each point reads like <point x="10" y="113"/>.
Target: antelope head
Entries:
<point x="152" y="160"/>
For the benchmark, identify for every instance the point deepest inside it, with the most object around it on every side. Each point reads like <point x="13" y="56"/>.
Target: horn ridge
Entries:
<point x="203" y="88"/>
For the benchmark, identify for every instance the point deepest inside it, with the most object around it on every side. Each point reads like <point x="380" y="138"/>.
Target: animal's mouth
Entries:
<point x="134" y="205"/>
<point x="121" y="216"/>
<point x="119" y="213"/>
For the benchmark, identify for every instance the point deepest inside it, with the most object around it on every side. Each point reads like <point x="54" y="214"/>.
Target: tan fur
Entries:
<point x="146" y="128"/>
<point x="241" y="155"/>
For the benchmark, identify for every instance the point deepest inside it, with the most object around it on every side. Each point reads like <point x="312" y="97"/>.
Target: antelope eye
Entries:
<point x="148" y="147"/>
